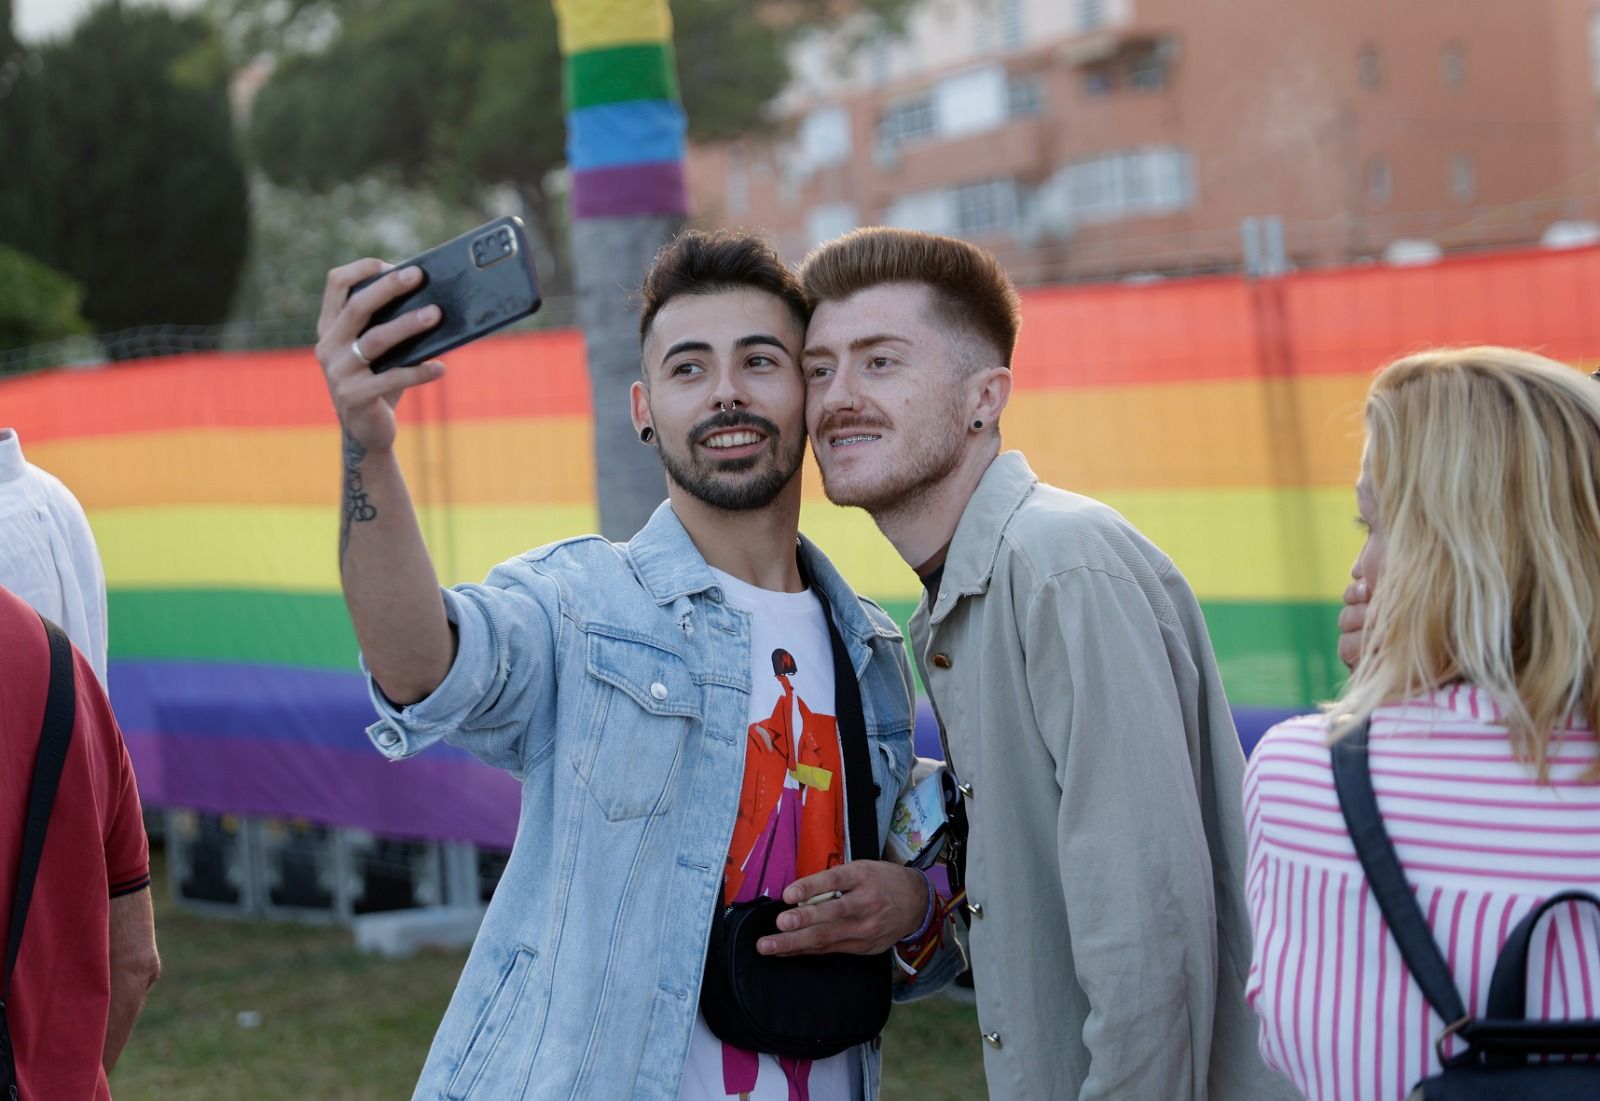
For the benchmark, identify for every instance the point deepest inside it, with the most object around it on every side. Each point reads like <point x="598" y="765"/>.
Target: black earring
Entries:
<point x="977" y="424"/>
<point x="646" y="434"/>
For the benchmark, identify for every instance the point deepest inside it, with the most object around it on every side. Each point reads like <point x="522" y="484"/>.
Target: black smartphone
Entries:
<point x="481" y="281"/>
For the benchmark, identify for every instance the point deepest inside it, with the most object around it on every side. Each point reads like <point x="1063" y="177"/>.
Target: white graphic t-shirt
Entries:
<point x="790" y="824"/>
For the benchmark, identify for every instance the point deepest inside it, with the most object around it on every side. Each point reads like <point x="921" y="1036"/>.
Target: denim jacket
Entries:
<point x="613" y="681"/>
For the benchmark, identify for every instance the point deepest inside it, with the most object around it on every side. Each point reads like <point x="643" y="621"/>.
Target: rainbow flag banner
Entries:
<point x="625" y="127"/>
<point x="1221" y="417"/>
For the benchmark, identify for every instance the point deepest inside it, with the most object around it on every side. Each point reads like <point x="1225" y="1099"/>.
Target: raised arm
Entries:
<point x="389" y="581"/>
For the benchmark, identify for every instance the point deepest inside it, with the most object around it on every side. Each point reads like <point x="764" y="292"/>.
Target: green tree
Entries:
<point x="37" y="303"/>
<point x="132" y="185"/>
<point x="464" y="94"/>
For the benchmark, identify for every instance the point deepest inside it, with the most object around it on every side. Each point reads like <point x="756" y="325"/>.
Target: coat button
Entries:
<point x="965" y="789"/>
<point x="976" y="908"/>
<point x="941" y="661"/>
<point x="992" y="1039"/>
<point x="388" y="737"/>
<point x="658" y="690"/>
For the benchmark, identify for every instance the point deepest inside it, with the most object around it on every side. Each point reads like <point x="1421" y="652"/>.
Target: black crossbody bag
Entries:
<point x="60" y="712"/>
<point x="803" y="1007"/>
<point x="1493" y="1065"/>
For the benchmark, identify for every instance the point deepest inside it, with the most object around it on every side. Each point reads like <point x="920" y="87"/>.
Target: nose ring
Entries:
<point x="722" y="406"/>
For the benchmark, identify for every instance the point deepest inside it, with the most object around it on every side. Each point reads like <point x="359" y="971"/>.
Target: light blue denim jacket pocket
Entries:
<point x="498" y="1023"/>
<point x="640" y="704"/>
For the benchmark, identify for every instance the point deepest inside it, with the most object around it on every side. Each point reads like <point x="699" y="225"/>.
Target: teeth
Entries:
<point x="846" y="441"/>
<point x="733" y="439"/>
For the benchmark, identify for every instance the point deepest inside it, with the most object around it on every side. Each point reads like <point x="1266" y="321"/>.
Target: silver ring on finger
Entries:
<point x="355" y="349"/>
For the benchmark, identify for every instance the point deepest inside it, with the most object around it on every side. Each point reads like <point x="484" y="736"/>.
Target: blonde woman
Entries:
<point x="1477" y="681"/>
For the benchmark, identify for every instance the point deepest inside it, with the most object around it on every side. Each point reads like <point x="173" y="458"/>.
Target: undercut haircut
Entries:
<point x="970" y="290"/>
<point x="698" y="262"/>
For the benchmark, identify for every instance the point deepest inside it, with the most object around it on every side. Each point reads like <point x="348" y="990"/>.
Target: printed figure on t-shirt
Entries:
<point x="790" y="790"/>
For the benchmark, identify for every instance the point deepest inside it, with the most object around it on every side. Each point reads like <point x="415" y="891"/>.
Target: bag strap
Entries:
<point x="1504" y="1027"/>
<point x="1508" y="989"/>
<point x="60" y="713"/>
<point x="1352" y="777"/>
<point x="861" y="814"/>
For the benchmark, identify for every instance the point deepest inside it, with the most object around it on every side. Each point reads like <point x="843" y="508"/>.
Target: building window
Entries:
<point x="1127" y="184"/>
<point x="824" y="137"/>
<point x="1087" y="15"/>
<point x="1025" y="96"/>
<point x="1013" y="31"/>
<point x="987" y="207"/>
<point x="1369" y="67"/>
<point x="1379" y="185"/>
<point x="971" y="102"/>
<point x="1147" y="71"/>
<point x="826" y="221"/>
<point x="1594" y="49"/>
<point x="907" y="120"/>
<point x="930" y="211"/>
<point x="1453" y="66"/>
<point x="1098" y="81"/>
<point x="1463" y="177"/>
<point x="879" y="51"/>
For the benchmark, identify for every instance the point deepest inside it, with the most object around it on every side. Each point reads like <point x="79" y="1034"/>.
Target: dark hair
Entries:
<point x="697" y="262"/>
<point x="970" y="288"/>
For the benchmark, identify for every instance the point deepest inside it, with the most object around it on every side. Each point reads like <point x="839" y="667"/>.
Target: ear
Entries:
<point x="639" y="406"/>
<point x="989" y="394"/>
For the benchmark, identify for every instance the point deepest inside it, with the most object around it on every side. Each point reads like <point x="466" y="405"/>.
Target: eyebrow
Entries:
<point x="760" y="339"/>
<point x="857" y="345"/>
<point x="685" y="346"/>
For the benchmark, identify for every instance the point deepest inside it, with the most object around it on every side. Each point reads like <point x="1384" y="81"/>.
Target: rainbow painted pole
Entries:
<point x="625" y="135"/>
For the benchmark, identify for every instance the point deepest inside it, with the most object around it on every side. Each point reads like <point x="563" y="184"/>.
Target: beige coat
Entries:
<point x="1069" y="665"/>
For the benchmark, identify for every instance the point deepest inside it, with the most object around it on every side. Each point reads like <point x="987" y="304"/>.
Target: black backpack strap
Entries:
<point x="1352" y="778"/>
<point x="1504" y="1027"/>
<point x="861" y="810"/>
<point x="60" y="712"/>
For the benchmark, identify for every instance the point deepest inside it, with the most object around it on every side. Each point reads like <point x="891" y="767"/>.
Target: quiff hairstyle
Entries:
<point x="697" y="262"/>
<point x="1485" y="467"/>
<point x="971" y="291"/>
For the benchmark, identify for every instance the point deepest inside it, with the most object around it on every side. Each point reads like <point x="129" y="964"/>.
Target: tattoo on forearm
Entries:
<point x="358" y="509"/>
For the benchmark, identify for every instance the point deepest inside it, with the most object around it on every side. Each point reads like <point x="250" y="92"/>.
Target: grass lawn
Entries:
<point x="336" y="1025"/>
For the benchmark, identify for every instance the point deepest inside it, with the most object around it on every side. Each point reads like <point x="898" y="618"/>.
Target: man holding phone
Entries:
<point x="667" y="703"/>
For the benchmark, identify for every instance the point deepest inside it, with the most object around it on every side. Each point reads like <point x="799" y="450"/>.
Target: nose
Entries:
<point x="839" y="392"/>
<point x="729" y="393"/>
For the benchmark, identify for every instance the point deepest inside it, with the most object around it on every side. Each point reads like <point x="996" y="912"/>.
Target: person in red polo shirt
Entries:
<point x="88" y="950"/>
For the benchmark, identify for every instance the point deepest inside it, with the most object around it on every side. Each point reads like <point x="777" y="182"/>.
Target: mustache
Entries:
<point x="721" y="422"/>
<point x="833" y="423"/>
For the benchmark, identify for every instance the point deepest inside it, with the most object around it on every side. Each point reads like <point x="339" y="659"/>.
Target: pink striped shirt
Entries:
<point x="1481" y="844"/>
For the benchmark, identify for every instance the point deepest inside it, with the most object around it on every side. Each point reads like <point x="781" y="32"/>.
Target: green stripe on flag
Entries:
<point x="621" y="74"/>
<point x="274" y="628"/>
<point x="1271" y="654"/>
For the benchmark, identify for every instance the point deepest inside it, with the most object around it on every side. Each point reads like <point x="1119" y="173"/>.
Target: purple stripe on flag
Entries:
<point x="283" y="703"/>
<point x="439" y="799"/>
<point x="620" y="192"/>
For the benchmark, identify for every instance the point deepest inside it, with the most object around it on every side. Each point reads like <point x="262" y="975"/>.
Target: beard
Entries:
<point x="714" y="481"/>
<point x="927" y="457"/>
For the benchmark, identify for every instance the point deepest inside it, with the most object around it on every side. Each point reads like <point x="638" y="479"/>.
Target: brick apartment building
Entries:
<point x="1114" y="138"/>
